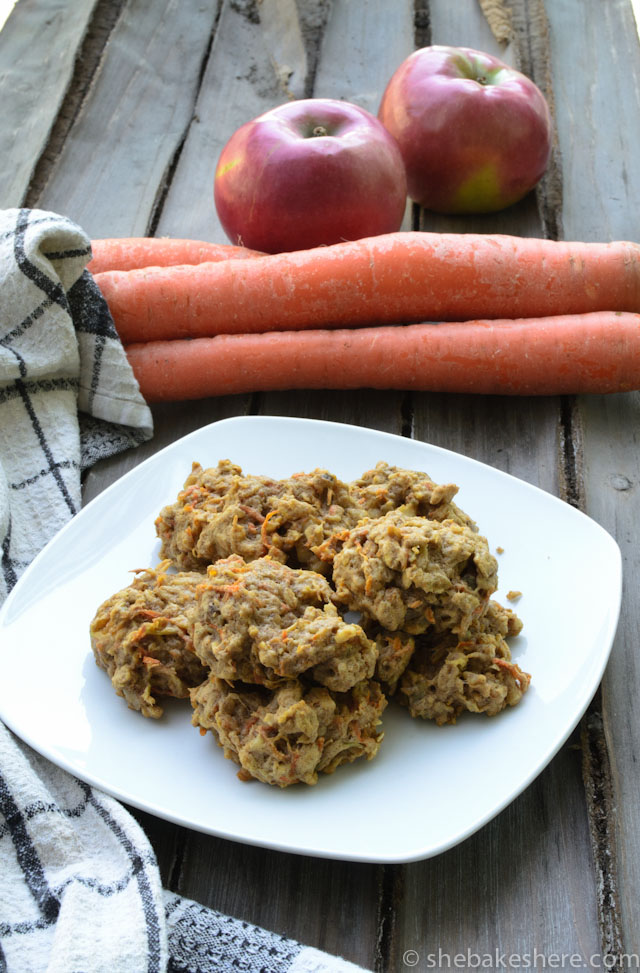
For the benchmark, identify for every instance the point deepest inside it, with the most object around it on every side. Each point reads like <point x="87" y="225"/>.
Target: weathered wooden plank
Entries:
<point x="598" y="108"/>
<point x="517" y="435"/>
<point x="282" y="36"/>
<point x="598" y="111"/>
<point x="383" y="410"/>
<point x="243" y="78"/>
<point x="508" y="890"/>
<point x="360" y="53"/>
<point x="38" y="48"/>
<point x="464" y="24"/>
<point x="112" y="169"/>
<point x="504" y="889"/>
<point x="328" y="904"/>
<point x="611" y="478"/>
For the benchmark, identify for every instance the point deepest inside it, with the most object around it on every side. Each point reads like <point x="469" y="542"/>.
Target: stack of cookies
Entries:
<point x="289" y="611"/>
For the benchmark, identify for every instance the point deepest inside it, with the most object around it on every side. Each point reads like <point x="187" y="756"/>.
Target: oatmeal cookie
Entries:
<point x="141" y="637"/>
<point x="291" y="734"/>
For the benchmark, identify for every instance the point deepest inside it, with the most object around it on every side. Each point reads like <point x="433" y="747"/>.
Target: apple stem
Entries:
<point x="319" y="130"/>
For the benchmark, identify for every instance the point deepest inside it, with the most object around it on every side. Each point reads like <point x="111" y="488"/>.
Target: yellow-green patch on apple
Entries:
<point x="474" y="133"/>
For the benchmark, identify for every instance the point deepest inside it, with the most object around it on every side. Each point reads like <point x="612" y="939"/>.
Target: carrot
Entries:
<point x="133" y="253"/>
<point x="389" y="279"/>
<point x="595" y="352"/>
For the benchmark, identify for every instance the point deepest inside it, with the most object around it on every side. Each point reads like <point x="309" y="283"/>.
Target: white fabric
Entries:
<point x="310" y="960"/>
<point x="79" y="884"/>
<point x="80" y="890"/>
<point x="67" y="392"/>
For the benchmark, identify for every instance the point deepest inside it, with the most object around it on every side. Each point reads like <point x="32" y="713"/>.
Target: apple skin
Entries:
<point x="280" y="184"/>
<point x="474" y="133"/>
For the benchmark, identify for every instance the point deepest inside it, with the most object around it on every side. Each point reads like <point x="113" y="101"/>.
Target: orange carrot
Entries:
<point x="133" y="253"/>
<point x="596" y="352"/>
<point x="389" y="279"/>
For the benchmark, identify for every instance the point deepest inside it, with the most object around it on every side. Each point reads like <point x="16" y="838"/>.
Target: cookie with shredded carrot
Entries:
<point x="221" y="511"/>
<point x="498" y="620"/>
<point x="218" y="512"/>
<point x="141" y="636"/>
<point x="314" y="507"/>
<point x="413" y="574"/>
<point x="385" y="488"/>
<point x="263" y="622"/>
<point x="293" y="733"/>
<point x="450" y="675"/>
<point x="394" y="653"/>
<point x="396" y="649"/>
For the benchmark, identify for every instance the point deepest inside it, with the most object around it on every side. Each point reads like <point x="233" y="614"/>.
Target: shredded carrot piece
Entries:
<point x="227" y="589"/>
<point x="253" y="513"/>
<point x="522" y="678"/>
<point x="263" y="532"/>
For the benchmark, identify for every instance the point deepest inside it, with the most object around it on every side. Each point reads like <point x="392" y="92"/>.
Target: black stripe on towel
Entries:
<point x="151" y="919"/>
<point x="27" y="855"/>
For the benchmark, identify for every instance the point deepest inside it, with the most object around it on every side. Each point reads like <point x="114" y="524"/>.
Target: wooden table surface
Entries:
<point x="114" y="113"/>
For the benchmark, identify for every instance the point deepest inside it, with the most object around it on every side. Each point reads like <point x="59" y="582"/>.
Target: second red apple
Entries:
<point x="475" y="134"/>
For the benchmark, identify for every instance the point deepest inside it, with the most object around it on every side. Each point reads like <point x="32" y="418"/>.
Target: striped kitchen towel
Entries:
<point x="80" y="889"/>
<point x="67" y="392"/>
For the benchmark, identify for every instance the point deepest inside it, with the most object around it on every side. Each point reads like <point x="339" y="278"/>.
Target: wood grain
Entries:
<point x="383" y="410"/>
<point x="512" y="888"/>
<point x="111" y="172"/>
<point x="240" y="82"/>
<point x="315" y="901"/>
<point x="599" y="141"/>
<point x="611" y="472"/>
<point x="367" y="56"/>
<point x="37" y="56"/>
<point x="597" y="115"/>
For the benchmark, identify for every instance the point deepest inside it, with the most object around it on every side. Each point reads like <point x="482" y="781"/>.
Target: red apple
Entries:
<point x="310" y="172"/>
<point x="475" y="134"/>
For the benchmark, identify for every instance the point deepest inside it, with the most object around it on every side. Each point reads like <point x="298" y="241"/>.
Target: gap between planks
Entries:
<point x="596" y="764"/>
<point x="103" y="20"/>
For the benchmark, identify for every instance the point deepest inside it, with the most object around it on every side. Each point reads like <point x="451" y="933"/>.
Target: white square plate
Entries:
<point x="429" y="787"/>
